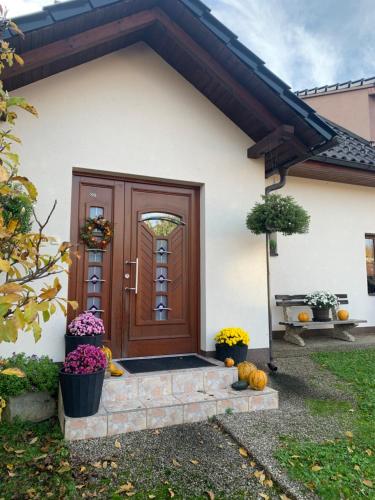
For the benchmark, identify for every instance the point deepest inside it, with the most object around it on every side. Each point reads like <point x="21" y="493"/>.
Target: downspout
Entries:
<point x="283" y="172"/>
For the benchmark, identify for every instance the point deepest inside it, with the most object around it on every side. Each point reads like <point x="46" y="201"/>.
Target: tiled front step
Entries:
<point x="122" y="416"/>
<point x="159" y="384"/>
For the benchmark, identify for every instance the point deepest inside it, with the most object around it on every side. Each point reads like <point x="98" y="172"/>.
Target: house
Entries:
<point x="152" y="111"/>
<point x="337" y="189"/>
<point x="350" y="104"/>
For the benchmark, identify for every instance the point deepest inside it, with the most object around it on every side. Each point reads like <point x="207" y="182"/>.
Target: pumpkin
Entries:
<point x="13" y="371"/>
<point x="108" y="353"/>
<point x="303" y="316"/>
<point x="229" y="362"/>
<point x="258" y="380"/>
<point x="244" y="370"/>
<point x="343" y="315"/>
<point x="115" y="371"/>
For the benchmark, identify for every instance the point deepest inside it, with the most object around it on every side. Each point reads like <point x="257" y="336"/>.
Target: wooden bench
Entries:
<point x="293" y="329"/>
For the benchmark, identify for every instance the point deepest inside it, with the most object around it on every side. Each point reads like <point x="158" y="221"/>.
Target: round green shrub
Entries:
<point x="18" y="208"/>
<point x="42" y="374"/>
<point x="278" y="214"/>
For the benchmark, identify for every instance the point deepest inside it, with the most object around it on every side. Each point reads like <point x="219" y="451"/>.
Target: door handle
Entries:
<point x="136" y="264"/>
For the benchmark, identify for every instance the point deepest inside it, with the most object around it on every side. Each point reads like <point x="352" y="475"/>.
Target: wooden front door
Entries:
<point x="145" y="285"/>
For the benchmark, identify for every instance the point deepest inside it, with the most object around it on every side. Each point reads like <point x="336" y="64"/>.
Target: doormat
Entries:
<point x="161" y="364"/>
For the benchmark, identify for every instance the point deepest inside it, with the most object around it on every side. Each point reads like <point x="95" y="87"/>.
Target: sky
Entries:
<point x="307" y="43"/>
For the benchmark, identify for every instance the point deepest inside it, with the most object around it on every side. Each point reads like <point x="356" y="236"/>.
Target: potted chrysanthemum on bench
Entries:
<point x="81" y="381"/>
<point x="232" y="343"/>
<point x="86" y="328"/>
<point x="321" y="303"/>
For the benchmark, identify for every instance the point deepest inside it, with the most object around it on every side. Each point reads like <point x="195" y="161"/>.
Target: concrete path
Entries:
<point x="297" y="380"/>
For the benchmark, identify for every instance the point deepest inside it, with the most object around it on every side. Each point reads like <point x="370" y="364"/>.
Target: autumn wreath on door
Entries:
<point x="97" y="233"/>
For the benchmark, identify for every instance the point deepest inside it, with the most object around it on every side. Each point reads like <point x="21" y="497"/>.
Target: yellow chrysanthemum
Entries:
<point x="232" y="336"/>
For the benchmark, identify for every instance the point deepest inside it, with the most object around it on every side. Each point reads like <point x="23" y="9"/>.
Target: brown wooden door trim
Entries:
<point x="122" y="217"/>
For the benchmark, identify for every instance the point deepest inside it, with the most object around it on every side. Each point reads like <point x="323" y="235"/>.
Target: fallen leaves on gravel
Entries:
<point x="171" y="492"/>
<point x="194" y="462"/>
<point x="210" y="495"/>
<point x="349" y="434"/>
<point x="264" y="495"/>
<point x="118" y="444"/>
<point x="125" y="488"/>
<point x="176" y="463"/>
<point x="284" y="497"/>
<point x="243" y="452"/>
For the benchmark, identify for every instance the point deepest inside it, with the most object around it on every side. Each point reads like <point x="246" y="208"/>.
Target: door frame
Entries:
<point x="107" y="178"/>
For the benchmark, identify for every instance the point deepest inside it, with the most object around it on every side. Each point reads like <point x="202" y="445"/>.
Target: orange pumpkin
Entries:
<point x="303" y="316"/>
<point x="244" y="370"/>
<point x="258" y="380"/>
<point x="229" y="362"/>
<point x="343" y="314"/>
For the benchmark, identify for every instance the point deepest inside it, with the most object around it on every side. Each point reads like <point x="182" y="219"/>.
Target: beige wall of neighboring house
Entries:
<point x="131" y="113"/>
<point x="332" y="255"/>
<point x="353" y="109"/>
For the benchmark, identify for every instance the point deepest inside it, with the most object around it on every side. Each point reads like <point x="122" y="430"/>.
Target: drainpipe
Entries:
<point x="283" y="172"/>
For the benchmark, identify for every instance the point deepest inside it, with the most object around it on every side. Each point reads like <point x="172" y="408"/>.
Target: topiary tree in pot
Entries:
<point x="276" y="214"/>
<point x="280" y="214"/>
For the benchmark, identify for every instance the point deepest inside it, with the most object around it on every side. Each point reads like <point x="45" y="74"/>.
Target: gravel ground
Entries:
<point x="150" y="458"/>
<point x="297" y="380"/>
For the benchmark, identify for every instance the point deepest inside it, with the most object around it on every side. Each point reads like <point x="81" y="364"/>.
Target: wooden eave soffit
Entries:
<point x="45" y="55"/>
<point x="280" y="135"/>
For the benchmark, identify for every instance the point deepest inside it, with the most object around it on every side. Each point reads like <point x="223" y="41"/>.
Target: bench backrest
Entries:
<point x="299" y="300"/>
<point x="288" y="301"/>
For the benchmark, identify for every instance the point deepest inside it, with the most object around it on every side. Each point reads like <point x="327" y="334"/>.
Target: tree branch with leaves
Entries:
<point x="25" y="256"/>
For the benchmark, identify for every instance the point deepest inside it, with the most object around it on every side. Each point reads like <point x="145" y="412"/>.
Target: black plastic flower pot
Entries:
<point x="81" y="393"/>
<point x="321" y="313"/>
<point x="237" y="352"/>
<point x="73" y="341"/>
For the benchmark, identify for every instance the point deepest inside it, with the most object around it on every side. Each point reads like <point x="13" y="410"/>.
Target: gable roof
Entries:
<point x="338" y="87"/>
<point x="351" y="150"/>
<point x="191" y="40"/>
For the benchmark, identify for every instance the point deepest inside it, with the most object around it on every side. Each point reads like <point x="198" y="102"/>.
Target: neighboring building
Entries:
<point x="350" y="104"/>
<point x="337" y="189"/>
<point x="153" y="110"/>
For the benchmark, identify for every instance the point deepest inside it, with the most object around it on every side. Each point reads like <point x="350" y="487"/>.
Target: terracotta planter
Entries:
<point x="73" y="341"/>
<point x="236" y="352"/>
<point x="321" y="313"/>
<point x="81" y="393"/>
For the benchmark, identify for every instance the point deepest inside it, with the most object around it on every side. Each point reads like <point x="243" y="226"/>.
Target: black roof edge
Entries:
<point x="72" y="8"/>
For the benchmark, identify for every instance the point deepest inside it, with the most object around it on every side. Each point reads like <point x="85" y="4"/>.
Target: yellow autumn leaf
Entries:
<point x="368" y="483"/>
<point x="210" y="495"/>
<point x="243" y="452"/>
<point x="264" y="495"/>
<point x="16" y="372"/>
<point x="125" y="488"/>
<point x="369" y="452"/>
<point x="349" y="434"/>
<point x="194" y="462"/>
<point x="176" y="463"/>
<point x="11" y="288"/>
<point x="19" y="59"/>
<point x="4" y="265"/>
<point x="117" y="444"/>
<point x="316" y="468"/>
<point x="4" y="176"/>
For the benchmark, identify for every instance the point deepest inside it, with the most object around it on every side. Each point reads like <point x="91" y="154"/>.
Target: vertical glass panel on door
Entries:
<point x="161" y="279"/>
<point x="96" y="212"/>
<point x="95" y="256"/>
<point x="161" y="251"/>
<point x="94" y="279"/>
<point x="161" y="303"/>
<point x="93" y="306"/>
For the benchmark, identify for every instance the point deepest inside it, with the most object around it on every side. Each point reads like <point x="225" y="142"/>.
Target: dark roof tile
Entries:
<point x="351" y="150"/>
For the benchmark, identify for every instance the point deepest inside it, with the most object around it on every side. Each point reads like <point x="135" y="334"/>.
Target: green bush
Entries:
<point x="18" y="208"/>
<point x="42" y="374"/>
<point x="278" y="214"/>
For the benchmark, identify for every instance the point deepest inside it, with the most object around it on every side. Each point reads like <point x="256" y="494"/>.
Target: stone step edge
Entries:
<point x="98" y="425"/>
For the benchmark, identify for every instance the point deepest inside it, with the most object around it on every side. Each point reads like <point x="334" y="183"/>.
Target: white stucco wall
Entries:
<point x="129" y="112"/>
<point x="332" y="255"/>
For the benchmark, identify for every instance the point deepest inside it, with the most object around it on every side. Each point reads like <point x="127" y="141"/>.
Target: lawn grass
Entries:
<point x="343" y="467"/>
<point x="34" y="462"/>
